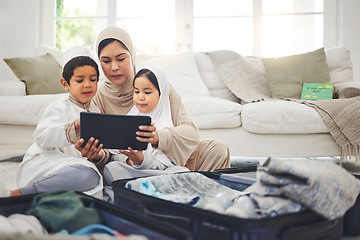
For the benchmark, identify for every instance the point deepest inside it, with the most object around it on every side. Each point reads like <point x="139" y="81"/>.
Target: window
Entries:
<point x="266" y="28"/>
<point x="149" y="23"/>
<point x="291" y="26"/>
<point x="76" y="22"/>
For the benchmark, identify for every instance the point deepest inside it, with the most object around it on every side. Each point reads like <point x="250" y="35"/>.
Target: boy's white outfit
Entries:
<point x="154" y="159"/>
<point x="52" y="150"/>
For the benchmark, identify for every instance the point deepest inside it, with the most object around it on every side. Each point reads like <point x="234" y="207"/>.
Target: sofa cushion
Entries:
<point x="182" y="72"/>
<point x="211" y="78"/>
<point x="243" y="78"/>
<point x="25" y="110"/>
<point x="286" y="75"/>
<point x="281" y="117"/>
<point x="41" y="74"/>
<point x="212" y="112"/>
<point x="12" y="88"/>
<point x="340" y="65"/>
<point x="57" y="54"/>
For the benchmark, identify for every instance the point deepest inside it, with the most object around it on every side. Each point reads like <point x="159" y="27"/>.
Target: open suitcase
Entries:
<point x="203" y="224"/>
<point x="116" y="218"/>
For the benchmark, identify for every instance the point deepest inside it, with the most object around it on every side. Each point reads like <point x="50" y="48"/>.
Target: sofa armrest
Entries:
<point x="25" y="110"/>
<point x="12" y="88"/>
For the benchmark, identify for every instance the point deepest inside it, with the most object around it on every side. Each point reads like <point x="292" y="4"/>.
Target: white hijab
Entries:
<point x="161" y="115"/>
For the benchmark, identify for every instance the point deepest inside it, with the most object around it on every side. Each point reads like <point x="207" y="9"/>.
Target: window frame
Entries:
<point x="184" y="24"/>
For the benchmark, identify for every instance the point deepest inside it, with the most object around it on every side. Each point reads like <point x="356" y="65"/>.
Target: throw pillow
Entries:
<point x="286" y="75"/>
<point x="41" y="74"/>
<point x="181" y="71"/>
<point x="242" y="77"/>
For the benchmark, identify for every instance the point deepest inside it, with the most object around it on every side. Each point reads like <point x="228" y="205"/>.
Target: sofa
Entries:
<point x="251" y="128"/>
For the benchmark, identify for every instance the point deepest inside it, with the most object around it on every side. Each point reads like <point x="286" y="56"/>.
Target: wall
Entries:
<point x="19" y="24"/>
<point x="19" y="31"/>
<point x="349" y="34"/>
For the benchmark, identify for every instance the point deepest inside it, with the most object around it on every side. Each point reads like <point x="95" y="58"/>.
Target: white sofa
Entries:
<point x="274" y="128"/>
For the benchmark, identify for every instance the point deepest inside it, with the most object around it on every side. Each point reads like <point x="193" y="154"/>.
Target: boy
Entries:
<point x="52" y="162"/>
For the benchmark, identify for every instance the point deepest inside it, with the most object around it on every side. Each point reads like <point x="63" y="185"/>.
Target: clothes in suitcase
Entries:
<point x="242" y="178"/>
<point x="351" y="218"/>
<point x="204" y="224"/>
<point x="238" y="178"/>
<point x="68" y="210"/>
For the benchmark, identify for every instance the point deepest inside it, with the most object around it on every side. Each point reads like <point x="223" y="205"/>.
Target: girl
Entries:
<point x="151" y="98"/>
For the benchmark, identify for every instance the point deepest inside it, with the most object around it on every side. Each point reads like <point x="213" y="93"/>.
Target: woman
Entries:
<point x="180" y="143"/>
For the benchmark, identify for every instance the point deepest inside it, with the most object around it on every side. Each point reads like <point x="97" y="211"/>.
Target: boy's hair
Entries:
<point x="150" y="75"/>
<point x="79" y="61"/>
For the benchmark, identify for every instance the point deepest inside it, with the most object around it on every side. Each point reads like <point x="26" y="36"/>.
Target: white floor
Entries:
<point x="8" y="174"/>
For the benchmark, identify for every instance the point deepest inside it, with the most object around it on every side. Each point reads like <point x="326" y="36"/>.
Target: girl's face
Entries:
<point x="83" y="84"/>
<point x="116" y="63"/>
<point x="146" y="96"/>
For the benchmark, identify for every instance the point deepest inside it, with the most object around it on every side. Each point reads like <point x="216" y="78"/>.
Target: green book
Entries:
<point x="317" y="91"/>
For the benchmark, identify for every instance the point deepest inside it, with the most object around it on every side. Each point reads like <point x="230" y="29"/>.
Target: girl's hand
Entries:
<point x="134" y="156"/>
<point x="151" y="136"/>
<point x="91" y="151"/>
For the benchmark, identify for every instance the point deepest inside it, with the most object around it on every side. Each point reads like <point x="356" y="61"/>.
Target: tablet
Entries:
<point x="113" y="131"/>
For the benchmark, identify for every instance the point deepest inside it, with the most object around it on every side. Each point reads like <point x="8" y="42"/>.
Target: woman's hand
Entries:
<point x="91" y="151"/>
<point x="134" y="156"/>
<point x="151" y="136"/>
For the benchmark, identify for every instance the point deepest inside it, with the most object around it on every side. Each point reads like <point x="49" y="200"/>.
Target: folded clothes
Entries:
<point x="324" y="187"/>
<point x="22" y="224"/>
<point x="64" y="210"/>
<point x="189" y="187"/>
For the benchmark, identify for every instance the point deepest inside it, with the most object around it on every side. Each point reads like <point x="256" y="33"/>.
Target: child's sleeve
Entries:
<point x="50" y="131"/>
<point x="150" y="162"/>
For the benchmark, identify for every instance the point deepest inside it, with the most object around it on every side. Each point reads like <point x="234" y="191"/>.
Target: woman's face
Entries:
<point x="116" y="63"/>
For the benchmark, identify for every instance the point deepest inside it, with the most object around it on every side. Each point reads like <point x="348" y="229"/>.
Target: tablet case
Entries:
<point x="113" y="131"/>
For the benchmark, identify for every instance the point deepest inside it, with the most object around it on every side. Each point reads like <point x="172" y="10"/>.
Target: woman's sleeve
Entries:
<point x="180" y="141"/>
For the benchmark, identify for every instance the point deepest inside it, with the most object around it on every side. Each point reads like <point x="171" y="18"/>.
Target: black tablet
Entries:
<point x="113" y="131"/>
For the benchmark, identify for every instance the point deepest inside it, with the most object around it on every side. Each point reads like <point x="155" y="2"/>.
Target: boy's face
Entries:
<point x="83" y="83"/>
<point x="146" y="96"/>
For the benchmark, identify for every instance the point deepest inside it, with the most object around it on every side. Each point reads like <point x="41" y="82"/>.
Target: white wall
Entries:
<point x="349" y="34"/>
<point x="18" y="31"/>
<point x="19" y="25"/>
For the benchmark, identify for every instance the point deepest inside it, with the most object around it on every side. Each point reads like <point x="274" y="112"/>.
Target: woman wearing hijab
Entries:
<point x="180" y="143"/>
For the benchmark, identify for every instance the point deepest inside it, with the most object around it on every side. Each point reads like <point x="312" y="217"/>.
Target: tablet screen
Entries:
<point x="113" y="131"/>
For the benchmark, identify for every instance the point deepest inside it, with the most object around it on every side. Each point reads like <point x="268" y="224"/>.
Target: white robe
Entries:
<point x="51" y="150"/>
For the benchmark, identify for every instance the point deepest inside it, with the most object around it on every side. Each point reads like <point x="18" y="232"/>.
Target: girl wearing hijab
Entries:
<point x="151" y="98"/>
<point x="180" y="143"/>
